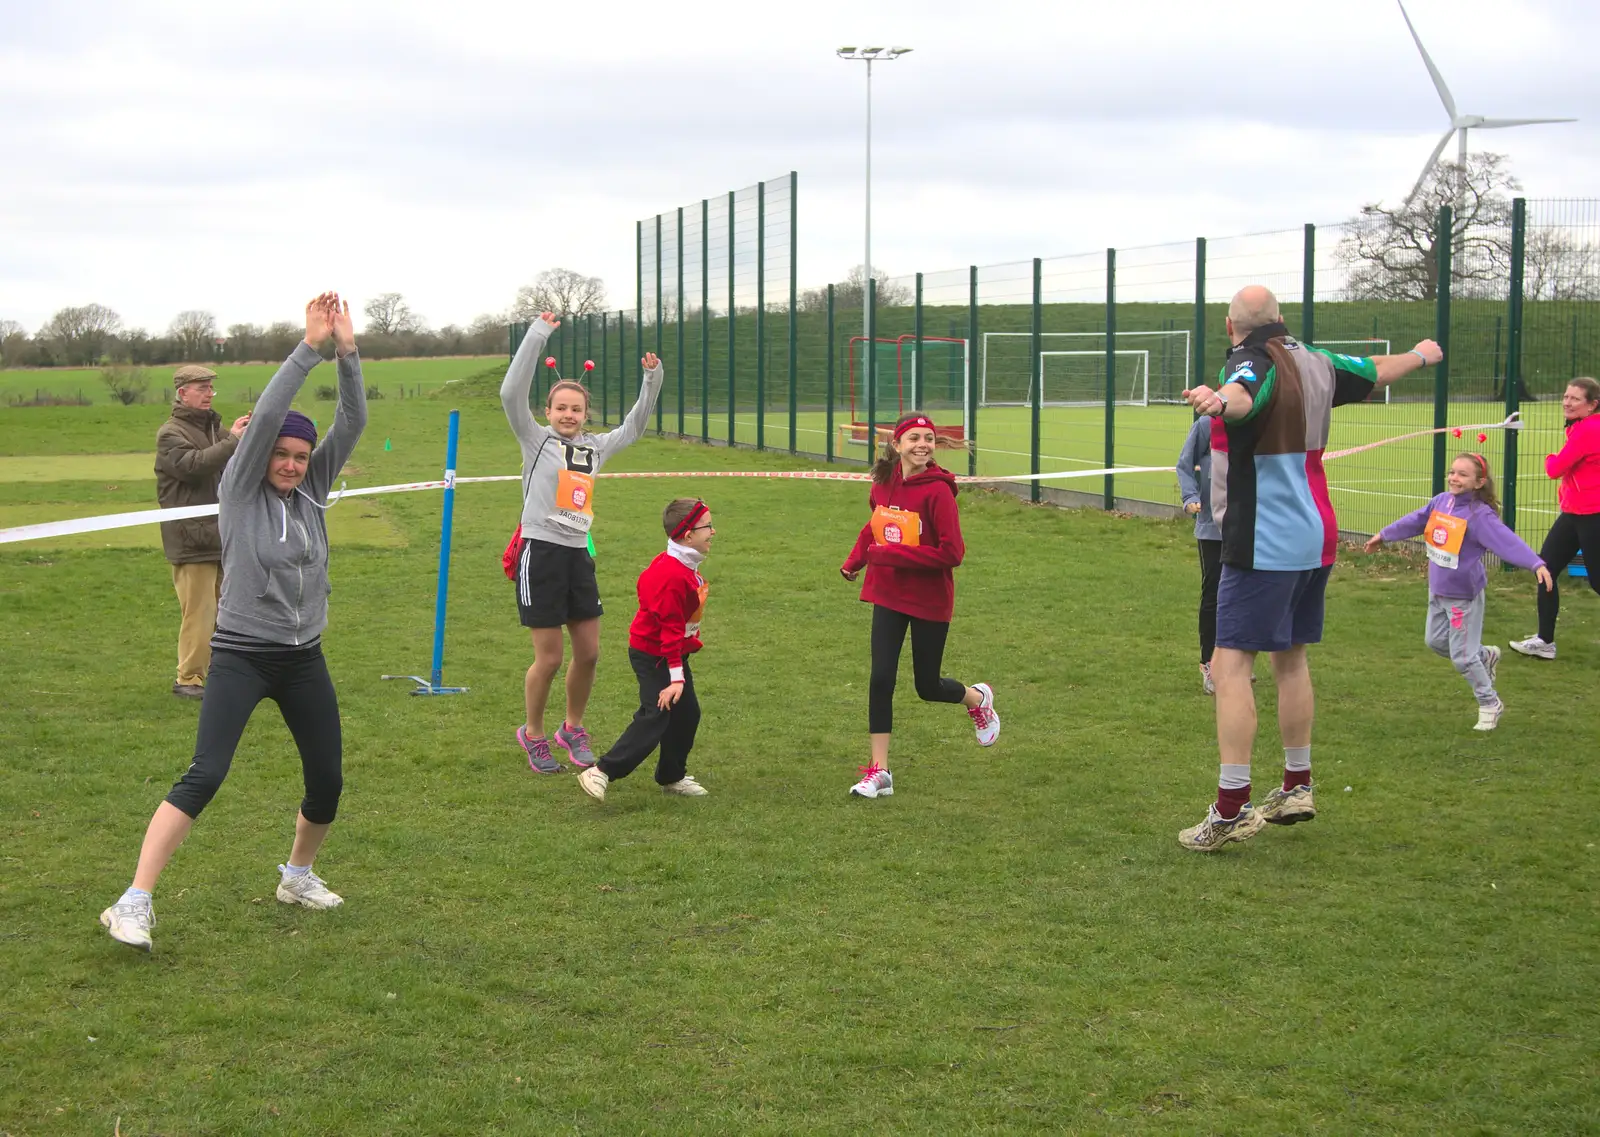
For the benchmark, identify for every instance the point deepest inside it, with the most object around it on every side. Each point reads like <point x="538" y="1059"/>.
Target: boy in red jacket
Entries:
<point x="910" y="548"/>
<point x="666" y="630"/>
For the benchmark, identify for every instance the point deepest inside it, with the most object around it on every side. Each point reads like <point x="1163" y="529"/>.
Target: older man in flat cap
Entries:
<point x="191" y="450"/>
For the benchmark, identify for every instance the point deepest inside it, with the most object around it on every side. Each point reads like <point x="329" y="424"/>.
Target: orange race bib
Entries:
<point x="1442" y="539"/>
<point x="692" y="628"/>
<point x="574" y="500"/>
<point x="893" y="526"/>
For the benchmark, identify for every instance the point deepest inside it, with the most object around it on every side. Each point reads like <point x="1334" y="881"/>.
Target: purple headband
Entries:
<point x="297" y="425"/>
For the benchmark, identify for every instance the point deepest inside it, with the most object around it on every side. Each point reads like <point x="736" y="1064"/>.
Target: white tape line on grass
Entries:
<point x="152" y="516"/>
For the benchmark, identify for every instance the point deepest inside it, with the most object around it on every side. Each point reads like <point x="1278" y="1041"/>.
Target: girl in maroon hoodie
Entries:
<point x="910" y="547"/>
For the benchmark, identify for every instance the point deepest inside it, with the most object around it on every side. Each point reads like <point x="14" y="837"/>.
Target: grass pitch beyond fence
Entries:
<point x="1014" y="942"/>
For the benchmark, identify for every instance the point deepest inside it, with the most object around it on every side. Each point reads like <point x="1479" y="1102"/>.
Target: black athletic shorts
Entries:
<point x="555" y="585"/>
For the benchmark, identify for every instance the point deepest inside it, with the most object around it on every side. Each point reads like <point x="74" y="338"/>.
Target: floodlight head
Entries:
<point x="871" y="50"/>
<point x="897" y="52"/>
<point x="845" y="51"/>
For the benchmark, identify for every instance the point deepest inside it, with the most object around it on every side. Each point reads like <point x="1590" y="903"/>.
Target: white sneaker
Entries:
<point x="1491" y="662"/>
<point x="984" y="720"/>
<point x="1489" y="717"/>
<point x="875" y="782"/>
<point x="129" y="922"/>
<point x="593" y="781"/>
<point x="685" y="787"/>
<point x="306" y="889"/>
<point x="1535" y="647"/>
<point x="1206" y="684"/>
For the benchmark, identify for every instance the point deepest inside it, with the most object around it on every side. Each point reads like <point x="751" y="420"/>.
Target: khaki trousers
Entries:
<point x="198" y="587"/>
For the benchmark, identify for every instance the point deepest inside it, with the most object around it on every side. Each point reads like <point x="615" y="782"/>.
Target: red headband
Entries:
<point x="1483" y="464"/>
<point x="912" y="424"/>
<point x="687" y="524"/>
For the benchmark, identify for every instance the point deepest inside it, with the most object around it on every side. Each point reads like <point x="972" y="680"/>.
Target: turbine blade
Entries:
<point x="1491" y="123"/>
<point x="1427" y="168"/>
<point x="1438" y="80"/>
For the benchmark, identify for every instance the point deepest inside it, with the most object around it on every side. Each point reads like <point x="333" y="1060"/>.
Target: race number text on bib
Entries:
<point x="1442" y="539"/>
<point x="692" y="628"/>
<point x="574" y="500"/>
<point x="894" y="526"/>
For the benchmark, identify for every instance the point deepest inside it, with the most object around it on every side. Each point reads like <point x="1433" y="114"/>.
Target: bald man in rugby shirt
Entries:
<point x="1270" y="417"/>
<point x="191" y="450"/>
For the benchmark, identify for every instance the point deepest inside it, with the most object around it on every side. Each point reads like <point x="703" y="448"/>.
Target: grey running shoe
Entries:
<point x="538" y="751"/>
<point x="1287" y="807"/>
<point x="875" y="782"/>
<point x="129" y="922"/>
<point x="188" y="690"/>
<point x="1491" y="662"/>
<point x="1535" y="647"/>
<point x="306" y="889"/>
<point x="1215" y="831"/>
<point x="575" y="741"/>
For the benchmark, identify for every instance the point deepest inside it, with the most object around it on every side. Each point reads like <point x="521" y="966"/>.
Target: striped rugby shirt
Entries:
<point x="1269" y="492"/>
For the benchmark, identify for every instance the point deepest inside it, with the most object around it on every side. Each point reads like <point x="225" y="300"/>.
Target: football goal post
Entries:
<point x="1361" y="348"/>
<point x="1005" y="371"/>
<point x="946" y="376"/>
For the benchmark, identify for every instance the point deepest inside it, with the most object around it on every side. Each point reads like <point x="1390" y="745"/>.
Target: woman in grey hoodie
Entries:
<point x="1194" y="479"/>
<point x="274" y="607"/>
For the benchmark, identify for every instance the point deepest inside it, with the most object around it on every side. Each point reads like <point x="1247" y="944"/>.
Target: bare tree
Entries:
<point x="847" y="296"/>
<point x="13" y="343"/>
<point x="1557" y="265"/>
<point x="194" y="333"/>
<point x="82" y="334"/>
<point x="487" y="334"/>
<point x="560" y="290"/>
<point x="388" y="314"/>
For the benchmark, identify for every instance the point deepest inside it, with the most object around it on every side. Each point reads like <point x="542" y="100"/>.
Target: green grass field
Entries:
<point x="240" y="382"/>
<point x="1013" y="943"/>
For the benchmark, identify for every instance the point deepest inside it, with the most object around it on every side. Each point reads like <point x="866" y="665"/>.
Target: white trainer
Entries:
<point x="306" y="889"/>
<point x="1535" y="647"/>
<point x="984" y="719"/>
<point x="1206" y="684"/>
<point x="685" y="787"/>
<point x="593" y="781"/>
<point x="1489" y="717"/>
<point x="875" y="782"/>
<point x="129" y="922"/>
<point x="1491" y="661"/>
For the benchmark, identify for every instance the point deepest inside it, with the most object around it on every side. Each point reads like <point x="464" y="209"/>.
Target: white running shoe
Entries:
<point x="593" y="781"/>
<point x="129" y="922"/>
<point x="984" y="720"/>
<point x="875" y="782"/>
<point x="306" y="889"/>
<point x="1491" y="662"/>
<point x="1206" y="684"/>
<point x="1489" y="717"/>
<point x="1535" y="647"/>
<point x="685" y="787"/>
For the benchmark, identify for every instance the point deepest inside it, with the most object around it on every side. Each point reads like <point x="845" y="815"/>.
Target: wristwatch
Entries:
<point x="1222" y="406"/>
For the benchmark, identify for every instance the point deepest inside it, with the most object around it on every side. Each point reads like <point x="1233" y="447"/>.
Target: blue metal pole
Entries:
<point x="444" y="548"/>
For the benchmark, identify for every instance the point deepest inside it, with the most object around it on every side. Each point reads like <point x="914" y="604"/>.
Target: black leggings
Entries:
<point x="673" y="729"/>
<point x="1570" y="533"/>
<point x="297" y="680"/>
<point x="927" y="655"/>
<point x="1210" y="575"/>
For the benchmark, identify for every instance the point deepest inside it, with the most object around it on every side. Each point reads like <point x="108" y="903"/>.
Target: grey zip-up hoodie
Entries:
<point x="275" y="549"/>
<point x="545" y="453"/>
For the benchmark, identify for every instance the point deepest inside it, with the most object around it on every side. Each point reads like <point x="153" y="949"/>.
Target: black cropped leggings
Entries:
<point x="1571" y="534"/>
<point x="927" y="656"/>
<point x="297" y="680"/>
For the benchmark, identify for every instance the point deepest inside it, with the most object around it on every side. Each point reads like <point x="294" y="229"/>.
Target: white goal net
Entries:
<point x="1150" y="367"/>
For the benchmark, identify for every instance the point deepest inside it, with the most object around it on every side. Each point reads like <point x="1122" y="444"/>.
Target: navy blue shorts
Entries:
<point x="1268" y="610"/>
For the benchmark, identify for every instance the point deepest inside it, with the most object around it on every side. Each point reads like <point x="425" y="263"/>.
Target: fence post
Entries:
<point x="677" y="364"/>
<point x="638" y="319"/>
<point x="794" y="295"/>
<point x="916" y="363"/>
<point x="732" y="297"/>
<point x="872" y="369"/>
<point x="1441" y="335"/>
<point x="1308" y="288"/>
<point x="605" y="363"/>
<point x="971" y="379"/>
<point x="659" y="408"/>
<point x="1519" y="236"/>
<point x="1035" y="376"/>
<point x="705" y="319"/>
<point x="761" y="315"/>
<point x="622" y="362"/>
<point x="830" y="374"/>
<point x="1199" y="312"/>
<point x="1111" y="377"/>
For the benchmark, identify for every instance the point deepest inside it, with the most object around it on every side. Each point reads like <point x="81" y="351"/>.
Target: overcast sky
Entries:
<point x="239" y="158"/>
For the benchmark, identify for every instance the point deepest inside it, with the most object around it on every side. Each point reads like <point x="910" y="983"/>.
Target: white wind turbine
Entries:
<point x="1459" y="123"/>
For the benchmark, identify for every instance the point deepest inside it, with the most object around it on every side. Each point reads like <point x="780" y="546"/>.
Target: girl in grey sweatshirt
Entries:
<point x="549" y="558"/>
<point x="274" y="606"/>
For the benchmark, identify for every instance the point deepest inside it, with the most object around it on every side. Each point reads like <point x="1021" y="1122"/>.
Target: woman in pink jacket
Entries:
<point x="1578" y="526"/>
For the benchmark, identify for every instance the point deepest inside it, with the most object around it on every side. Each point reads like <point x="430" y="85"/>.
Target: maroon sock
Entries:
<point x="1293" y="778"/>
<point x="1230" y="802"/>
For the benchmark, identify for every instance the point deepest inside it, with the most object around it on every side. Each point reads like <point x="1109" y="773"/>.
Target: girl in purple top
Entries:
<point x="1457" y="528"/>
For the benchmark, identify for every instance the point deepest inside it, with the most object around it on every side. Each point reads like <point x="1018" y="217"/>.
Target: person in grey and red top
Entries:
<point x="1457" y="528"/>
<point x="664" y="633"/>
<point x="910" y="548"/>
